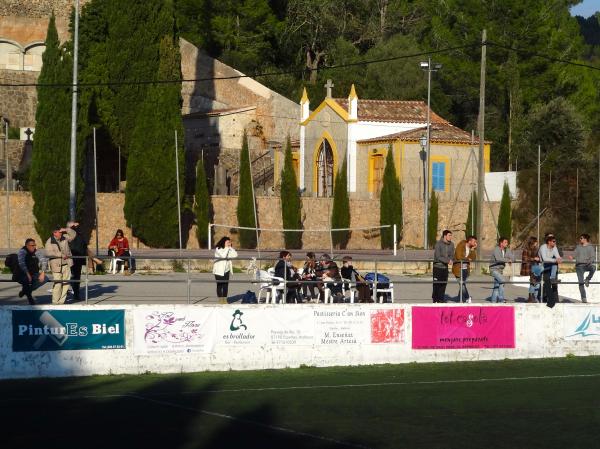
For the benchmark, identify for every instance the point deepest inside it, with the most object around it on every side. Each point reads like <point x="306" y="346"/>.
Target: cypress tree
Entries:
<point x="151" y="193"/>
<point x="135" y="31"/>
<point x="471" y="223"/>
<point x="505" y="214"/>
<point x="390" y="202"/>
<point x="432" y="223"/>
<point x="291" y="206"/>
<point x="49" y="174"/>
<point x="340" y="216"/>
<point x="202" y="205"/>
<point x="246" y="200"/>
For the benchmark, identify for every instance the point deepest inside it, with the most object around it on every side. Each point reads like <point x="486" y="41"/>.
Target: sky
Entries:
<point x="586" y="8"/>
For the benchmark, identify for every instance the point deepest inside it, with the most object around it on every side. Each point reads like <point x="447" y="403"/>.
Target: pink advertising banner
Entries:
<point x="463" y="327"/>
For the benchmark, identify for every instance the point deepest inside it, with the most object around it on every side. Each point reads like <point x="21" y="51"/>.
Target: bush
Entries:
<point x="390" y="203"/>
<point x="340" y="216"/>
<point x="432" y="221"/>
<point x="246" y="200"/>
<point x="291" y="206"/>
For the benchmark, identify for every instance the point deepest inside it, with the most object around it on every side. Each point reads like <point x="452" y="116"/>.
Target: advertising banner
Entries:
<point x="387" y="326"/>
<point x="181" y="331"/>
<point x="341" y="326"/>
<point x="290" y="326"/>
<point x="463" y="327"/>
<point x="244" y="326"/>
<point x="581" y="323"/>
<point x="61" y="330"/>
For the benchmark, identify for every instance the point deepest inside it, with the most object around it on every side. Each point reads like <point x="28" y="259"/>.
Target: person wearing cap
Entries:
<point x="60" y="261"/>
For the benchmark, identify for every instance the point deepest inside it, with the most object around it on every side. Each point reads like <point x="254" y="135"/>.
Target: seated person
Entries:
<point x="348" y="272"/>
<point x="30" y="274"/>
<point x="333" y="281"/>
<point x="285" y="270"/>
<point x="309" y="288"/>
<point x="119" y="247"/>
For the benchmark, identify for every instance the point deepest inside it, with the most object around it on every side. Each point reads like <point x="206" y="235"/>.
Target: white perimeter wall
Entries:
<point x="539" y="332"/>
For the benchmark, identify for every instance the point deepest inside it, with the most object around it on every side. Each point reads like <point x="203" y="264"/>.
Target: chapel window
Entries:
<point x="325" y="170"/>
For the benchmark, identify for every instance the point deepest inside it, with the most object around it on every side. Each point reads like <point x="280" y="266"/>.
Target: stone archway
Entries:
<point x="324" y="170"/>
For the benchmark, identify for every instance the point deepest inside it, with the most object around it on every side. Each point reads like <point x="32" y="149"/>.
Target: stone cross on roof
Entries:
<point x="329" y="85"/>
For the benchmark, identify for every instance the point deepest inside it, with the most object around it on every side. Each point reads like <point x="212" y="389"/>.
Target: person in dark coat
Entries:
<point x="79" y="251"/>
<point x="30" y="274"/>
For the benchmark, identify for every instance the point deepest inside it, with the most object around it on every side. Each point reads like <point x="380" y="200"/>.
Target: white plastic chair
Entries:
<point x="270" y="285"/>
<point x="351" y="290"/>
<point x="114" y="265"/>
<point x="389" y="290"/>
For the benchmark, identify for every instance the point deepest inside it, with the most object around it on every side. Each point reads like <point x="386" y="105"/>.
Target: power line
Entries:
<point x="539" y="55"/>
<point x="256" y="75"/>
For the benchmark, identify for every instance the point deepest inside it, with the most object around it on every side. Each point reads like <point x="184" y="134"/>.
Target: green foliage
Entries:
<point x="151" y="194"/>
<point x="291" y="206"/>
<point x="390" y="202"/>
<point x="471" y="223"/>
<point x="432" y="220"/>
<point x="14" y="133"/>
<point x="505" y="214"/>
<point x="202" y="205"/>
<point x="246" y="200"/>
<point x="49" y="173"/>
<point x="340" y="215"/>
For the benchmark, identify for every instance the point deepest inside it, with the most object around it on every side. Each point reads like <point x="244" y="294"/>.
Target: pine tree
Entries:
<point x="471" y="223"/>
<point x="505" y="214"/>
<point x="151" y="193"/>
<point x="202" y="205"/>
<point x="246" y="200"/>
<point x="49" y="174"/>
<point x="340" y="216"/>
<point x="291" y="206"/>
<point x="390" y="202"/>
<point x="432" y="222"/>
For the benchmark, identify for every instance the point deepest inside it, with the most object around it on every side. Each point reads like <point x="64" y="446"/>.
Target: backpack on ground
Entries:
<point x="12" y="263"/>
<point x="249" y="298"/>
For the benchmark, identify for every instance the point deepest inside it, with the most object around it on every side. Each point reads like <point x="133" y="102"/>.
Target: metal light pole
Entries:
<point x="429" y="67"/>
<point x="72" y="198"/>
<point x="423" y="156"/>
<point x="4" y="137"/>
<point x="178" y="195"/>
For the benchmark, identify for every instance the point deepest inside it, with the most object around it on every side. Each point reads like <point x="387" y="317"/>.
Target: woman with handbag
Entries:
<point x="223" y="267"/>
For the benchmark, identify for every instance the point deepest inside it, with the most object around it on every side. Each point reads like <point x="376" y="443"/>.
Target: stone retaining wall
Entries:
<point x="315" y="215"/>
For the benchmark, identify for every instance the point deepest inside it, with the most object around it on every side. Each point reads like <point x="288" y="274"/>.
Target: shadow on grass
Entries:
<point x="141" y="411"/>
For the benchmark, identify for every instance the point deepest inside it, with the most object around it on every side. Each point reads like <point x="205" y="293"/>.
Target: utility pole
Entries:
<point x="72" y="195"/>
<point x="481" y="126"/>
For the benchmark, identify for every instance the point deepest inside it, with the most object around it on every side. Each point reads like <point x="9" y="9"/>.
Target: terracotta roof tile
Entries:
<point x="392" y="111"/>
<point x="440" y="133"/>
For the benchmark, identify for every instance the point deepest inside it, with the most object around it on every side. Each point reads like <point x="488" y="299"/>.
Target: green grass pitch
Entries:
<point x="550" y="403"/>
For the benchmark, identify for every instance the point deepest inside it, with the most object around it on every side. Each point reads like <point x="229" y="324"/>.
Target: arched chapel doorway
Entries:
<point x="325" y="170"/>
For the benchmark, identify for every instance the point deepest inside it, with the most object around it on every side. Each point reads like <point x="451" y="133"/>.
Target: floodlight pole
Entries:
<point x="429" y="67"/>
<point x="481" y="126"/>
<point x="72" y="196"/>
<point x="178" y="195"/>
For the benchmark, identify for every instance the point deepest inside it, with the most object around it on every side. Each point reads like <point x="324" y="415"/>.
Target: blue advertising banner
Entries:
<point x="60" y="330"/>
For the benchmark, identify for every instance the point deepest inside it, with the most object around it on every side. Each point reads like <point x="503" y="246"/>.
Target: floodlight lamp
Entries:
<point x="424" y="64"/>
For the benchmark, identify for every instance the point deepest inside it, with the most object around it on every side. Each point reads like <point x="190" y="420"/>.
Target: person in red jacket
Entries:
<point x="119" y="247"/>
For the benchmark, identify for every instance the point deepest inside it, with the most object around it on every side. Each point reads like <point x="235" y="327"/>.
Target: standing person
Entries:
<point x="550" y="257"/>
<point x="79" y="250"/>
<point x="442" y="258"/>
<point x="465" y="253"/>
<point x="500" y="257"/>
<point x="30" y="275"/>
<point x="530" y="258"/>
<point x="223" y="267"/>
<point x="585" y="257"/>
<point x="119" y="247"/>
<point x="60" y="261"/>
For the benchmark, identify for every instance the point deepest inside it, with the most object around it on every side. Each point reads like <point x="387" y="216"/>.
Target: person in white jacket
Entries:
<point x="223" y="267"/>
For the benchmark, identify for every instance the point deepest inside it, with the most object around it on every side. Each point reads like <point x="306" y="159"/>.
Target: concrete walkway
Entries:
<point x="171" y="288"/>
